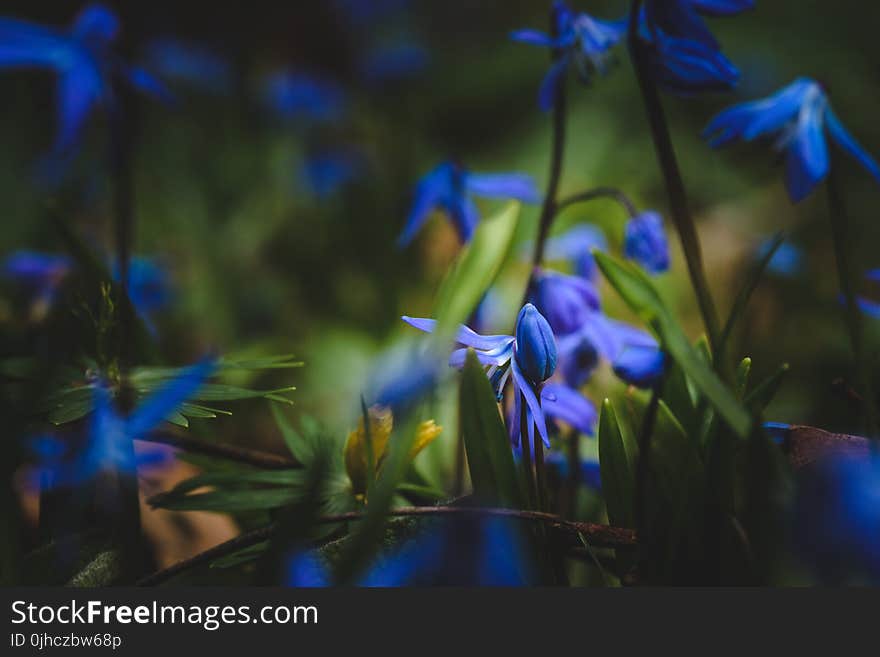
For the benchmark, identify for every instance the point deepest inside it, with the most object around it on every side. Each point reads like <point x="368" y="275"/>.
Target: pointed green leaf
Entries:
<point x="618" y="454"/>
<point x="641" y="296"/>
<point x="490" y="458"/>
<point x="475" y="270"/>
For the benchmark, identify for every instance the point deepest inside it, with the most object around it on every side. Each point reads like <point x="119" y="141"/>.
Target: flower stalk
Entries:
<point x="675" y="189"/>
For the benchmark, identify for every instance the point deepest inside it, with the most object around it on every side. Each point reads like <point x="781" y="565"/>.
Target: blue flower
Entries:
<point x="328" y="171"/>
<point x="588" y="472"/>
<point x="837" y="519"/>
<point x="580" y="40"/>
<point x="502" y="358"/>
<point x="40" y="273"/>
<point x="788" y="261"/>
<point x="450" y="187"/>
<point x="535" y="347"/>
<point x="566" y="301"/>
<point x="799" y="115"/>
<point x="108" y="443"/>
<point x="640" y="365"/>
<point x="450" y="552"/>
<point x="576" y="245"/>
<point x="83" y="58"/>
<point x="867" y="305"/>
<point x="565" y="404"/>
<point x="196" y="65"/>
<point x="299" y="96"/>
<point x="394" y="62"/>
<point x="684" y="55"/>
<point x="149" y="288"/>
<point x="645" y="242"/>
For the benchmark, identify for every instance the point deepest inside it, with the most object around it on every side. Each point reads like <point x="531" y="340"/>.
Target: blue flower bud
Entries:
<point x="535" y="345"/>
<point x="645" y="242"/>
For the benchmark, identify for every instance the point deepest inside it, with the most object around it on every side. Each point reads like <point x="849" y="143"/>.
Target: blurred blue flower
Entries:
<point x="299" y="96"/>
<point x="645" y="242"/>
<point x="450" y="552"/>
<point x="788" y="260"/>
<point x="325" y="173"/>
<point x="837" y="519"/>
<point x="581" y="40"/>
<point x="450" y="187"/>
<point x="685" y="56"/>
<point x="389" y="63"/>
<point x="867" y="305"/>
<point x="640" y="365"/>
<point x="566" y="301"/>
<point x="558" y="463"/>
<point x="505" y="360"/>
<point x="576" y="245"/>
<point x="40" y="273"/>
<point x="108" y="443"/>
<point x="565" y="404"/>
<point x="191" y="63"/>
<point x="402" y="378"/>
<point x="799" y="116"/>
<point x="83" y="58"/>
<point x="149" y="288"/>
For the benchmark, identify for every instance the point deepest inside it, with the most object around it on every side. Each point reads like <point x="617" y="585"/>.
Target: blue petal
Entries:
<point x="846" y="141"/>
<point x="806" y="162"/>
<point x="79" y="90"/>
<point x="465" y="216"/>
<point x="640" y="366"/>
<point x="465" y="336"/>
<point x="645" y="242"/>
<point x="686" y="66"/>
<point x="869" y="307"/>
<point x="522" y="385"/>
<point x="149" y="85"/>
<point x="551" y="83"/>
<point x="534" y="38"/>
<point x="519" y="186"/>
<point x="577" y="245"/>
<point x="191" y="63"/>
<point x="434" y="189"/>
<point x="679" y="20"/>
<point x="168" y="398"/>
<point x="722" y="7"/>
<point x="568" y="405"/>
<point x="306" y="570"/>
<point x="25" y="45"/>
<point x="96" y="23"/>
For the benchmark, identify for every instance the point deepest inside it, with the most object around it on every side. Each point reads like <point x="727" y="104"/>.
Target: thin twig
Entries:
<point x="600" y="193"/>
<point x="596" y="534"/>
<point x="259" y="459"/>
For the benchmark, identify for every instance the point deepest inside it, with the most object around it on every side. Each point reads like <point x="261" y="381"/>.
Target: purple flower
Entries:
<point x="576" y="245"/>
<point x="566" y="301"/>
<point x="450" y="187"/>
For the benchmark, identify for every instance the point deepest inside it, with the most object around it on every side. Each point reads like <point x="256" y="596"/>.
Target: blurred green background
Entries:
<point x="262" y="264"/>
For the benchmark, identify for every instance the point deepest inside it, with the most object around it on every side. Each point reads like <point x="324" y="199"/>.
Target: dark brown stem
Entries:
<point x="595" y="534"/>
<point x="265" y="460"/>
<point x="600" y="193"/>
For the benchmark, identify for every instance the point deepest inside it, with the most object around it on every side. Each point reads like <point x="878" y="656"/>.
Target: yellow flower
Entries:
<point x="356" y="453"/>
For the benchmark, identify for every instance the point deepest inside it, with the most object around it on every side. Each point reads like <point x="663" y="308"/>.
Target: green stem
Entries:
<point x="846" y="275"/>
<point x="675" y="190"/>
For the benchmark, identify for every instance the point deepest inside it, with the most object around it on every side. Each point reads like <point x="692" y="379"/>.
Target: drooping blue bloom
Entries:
<point x="149" y="288"/>
<point x="565" y="404"/>
<point x="450" y="552"/>
<point x="799" y="116"/>
<point x="684" y="55"/>
<point x="450" y="187"/>
<point x="837" y="519"/>
<point x="576" y="245"/>
<point x="191" y="63"/>
<point x="389" y="63"/>
<point x="108" y="443"/>
<point x="566" y="301"/>
<point x="640" y="365"/>
<point x="299" y="96"/>
<point x="506" y="362"/>
<point x="788" y="261"/>
<point x="582" y="41"/>
<point x="325" y="173"/>
<point x="403" y="377"/>
<point x="82" y="56"/>
<point x="535" y="346"/>
<point x="40" y="273"/>
<point x="645" y="242"/>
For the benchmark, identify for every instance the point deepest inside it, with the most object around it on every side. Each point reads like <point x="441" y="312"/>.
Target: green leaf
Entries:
<point x="742" y="376"/>
<point x="490" y="458"/>
<point x="618" y="455"/>
<point x="748" y="288"/>
<point x="641" y="296"/>
<point x="758" y="399"/>
<point x="229" y="500"/>
<point x="300" y="447"/>
<point x="475" y="270"/>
